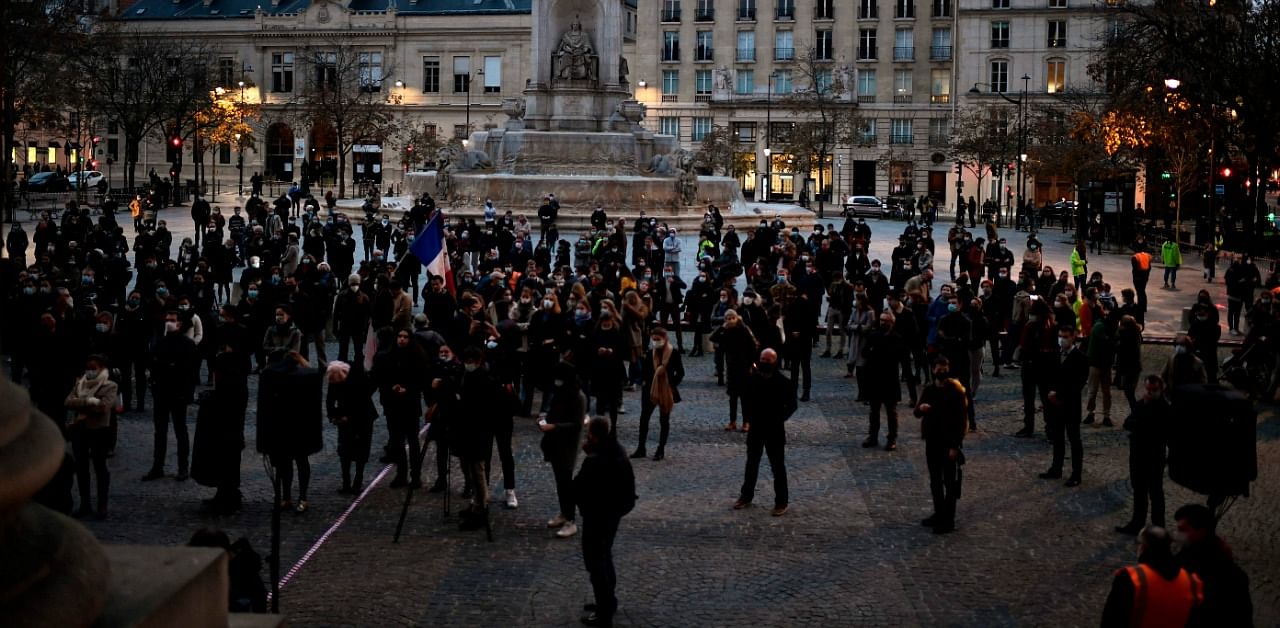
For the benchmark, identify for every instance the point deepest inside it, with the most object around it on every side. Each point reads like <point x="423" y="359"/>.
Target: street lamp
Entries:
<point x="479" y="72"/>
<point x="768" y="134"/>
<point x="240" y="164"/>
<point x="1021" y="102"/>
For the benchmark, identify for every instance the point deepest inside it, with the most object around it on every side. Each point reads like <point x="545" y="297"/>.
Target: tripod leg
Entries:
<point x="408" y="495"/>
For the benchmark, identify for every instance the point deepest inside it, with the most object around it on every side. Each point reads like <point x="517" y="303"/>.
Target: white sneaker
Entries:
<point x="568" y="530"/>
<point x="557" y="521"/>
<point x="512" y="503"/>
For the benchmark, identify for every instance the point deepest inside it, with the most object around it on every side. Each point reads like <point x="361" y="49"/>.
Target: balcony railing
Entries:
<point x="704" y="53"/>
<point x="902" y="98"/>
<point x="702" y="98"/>
<point x="671" y="15"/>
<point x="901" y="138"/>
<point x="670" y="97"/>
<point x="745" y="55"/>
<point x="786" y="13"/>
<point x="671" y="54"/>
<point x="704" y="14"/>
<point x="866" y="98"/>
<point x="940" y="53"/>
<point x="784" y="54"/>
<point x="746" y="14"/>
<point x="904" y="53"/>
<point x="939" y="99"/>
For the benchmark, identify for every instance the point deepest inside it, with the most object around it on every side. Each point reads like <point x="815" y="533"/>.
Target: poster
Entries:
<point x="1111" y="203"/>
<point x="299" y="149"/>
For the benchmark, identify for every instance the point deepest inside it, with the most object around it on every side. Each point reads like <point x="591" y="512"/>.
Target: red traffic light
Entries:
<point x="176" y="142"/>
<point x="410" y="148"/>
<point x="1226" y="172"/>
<point x="94" y="164"/>
<point x="97" y="139"/>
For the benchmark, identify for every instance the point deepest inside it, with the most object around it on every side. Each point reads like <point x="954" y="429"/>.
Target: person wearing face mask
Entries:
<point x="661" y="372"/>
<point x="1032" y="257"/>
<point x="1156" y="591"/>
<point x="943" y="414"/>
<point x="769" y="400"/>
<point x="736" y="346"/>
<point x="91" y="404"/>
<point x="547" y="329"/>
<point x="1149" y="432"/>
<point x="398" y="372"/>
<point x="884" y="354"/>
<point x="282" y="336"/>
<point x="1182" y="368"/>
<point x="699" y="301"/>
<point x="1062" y="410"/>
<point x="487" y="405"/>
<point x="173" y="371"/>
<point x="609" y="348"/>
<point x="1205" y="333"/>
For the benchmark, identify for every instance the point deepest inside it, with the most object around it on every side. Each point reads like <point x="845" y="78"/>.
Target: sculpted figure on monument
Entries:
<point x="573" y="57"/>
<point x="672" y="163"/>
<point x="724" y="79"/>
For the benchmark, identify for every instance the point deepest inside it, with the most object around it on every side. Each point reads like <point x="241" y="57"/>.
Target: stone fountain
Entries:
<point x="576" y="132"/>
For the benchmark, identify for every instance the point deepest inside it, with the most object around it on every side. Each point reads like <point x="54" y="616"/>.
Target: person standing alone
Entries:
<point x="605" y="491"/>
<point x="174" y="375"/>
<point x="768" y="401"/>
<point x="943" y="413"/>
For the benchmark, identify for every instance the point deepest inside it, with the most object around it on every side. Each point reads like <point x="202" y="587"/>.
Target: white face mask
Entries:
<point x="1064" y="343"/>
<point x="170" y="327"/>
<point x="548" y="304"/>
<point x="748" y="300"/>
<point x="470" y="368"/>
<point x="354" y="288"/>
<point x="656" y="344"/>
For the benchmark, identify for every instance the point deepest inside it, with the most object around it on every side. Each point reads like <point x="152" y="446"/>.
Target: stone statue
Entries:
<point x="623" y="70"/>
<point x="688" y="187"/>
<point x="844" y="78"/>
<point x="573" y="57"/>
<point x="724" y="79"/>
<point x="672" y="163"/>
<point x="444" y="173"/>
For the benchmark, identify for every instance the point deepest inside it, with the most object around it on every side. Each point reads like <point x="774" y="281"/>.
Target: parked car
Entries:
<point x="88" y="179"/>
<point x="865" y="206"/>
<point x="47" y="182"/>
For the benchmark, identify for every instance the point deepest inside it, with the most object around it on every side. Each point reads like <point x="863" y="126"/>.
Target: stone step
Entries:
<point x="253" y="620"/>
<point x="158" y="587"/>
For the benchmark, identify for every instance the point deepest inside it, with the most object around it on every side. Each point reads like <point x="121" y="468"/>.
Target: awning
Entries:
<point x="54" y="144"/>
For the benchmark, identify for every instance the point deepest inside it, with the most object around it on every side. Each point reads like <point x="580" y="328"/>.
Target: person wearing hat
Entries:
<point x="350" y="408"/>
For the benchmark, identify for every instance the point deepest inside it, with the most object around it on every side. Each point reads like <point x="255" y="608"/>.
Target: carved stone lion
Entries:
<point x="460" y="160"/>
<point x="672" y="163"/>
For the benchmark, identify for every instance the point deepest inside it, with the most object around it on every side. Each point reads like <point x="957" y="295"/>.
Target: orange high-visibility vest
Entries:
<point x="1144" y="260"/>
<point x="1158" y="602"/>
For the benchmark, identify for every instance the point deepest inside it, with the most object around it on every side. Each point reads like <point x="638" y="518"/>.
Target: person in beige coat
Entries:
<point x="89" y="406"/>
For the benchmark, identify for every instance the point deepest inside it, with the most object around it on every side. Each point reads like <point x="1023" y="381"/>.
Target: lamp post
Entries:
<point x="479" y="72"/>
<point x="768" y="134"/>
<point x="1021" y="102"/>
<point x="240" y="141"/>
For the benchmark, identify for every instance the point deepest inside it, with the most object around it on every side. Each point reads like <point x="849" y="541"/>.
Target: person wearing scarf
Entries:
<point x="662" y="372"/>
<point x="91" y="402"/>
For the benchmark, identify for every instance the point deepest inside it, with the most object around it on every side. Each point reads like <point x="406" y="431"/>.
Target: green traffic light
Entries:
<point x="1166" y="175"/>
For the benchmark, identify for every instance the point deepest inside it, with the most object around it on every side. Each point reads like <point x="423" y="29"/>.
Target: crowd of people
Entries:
<point x="531" y="324"/>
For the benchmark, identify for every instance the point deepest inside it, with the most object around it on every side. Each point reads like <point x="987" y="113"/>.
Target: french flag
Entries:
<point x="429" y="247"/>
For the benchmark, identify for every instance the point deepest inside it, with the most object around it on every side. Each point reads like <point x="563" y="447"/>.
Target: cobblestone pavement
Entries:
<point x="850" y="551"/>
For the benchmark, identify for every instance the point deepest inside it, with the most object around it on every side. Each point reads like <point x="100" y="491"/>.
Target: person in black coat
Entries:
<point x="484" y="402"/>
<point x="399" y="373"/>
<point x="605" y="491"/>
<point x="1062" y="413"/>
<point x="668" y="299"/>
<point x="290" y="421"/>
<point x="661" y="373"/>
<point x="173" y="377"/>
<point x="885" y="353"/>
<point x="739" y="346"/>
<point x="769" y="401"/>
<point x="220" y="426"/>
<point x="1148" y="431"/>
<point x="349" y="406"/>
<point x="799" y="324"/>
<point x="561" y="433"/>
<point x="943" y="418"/>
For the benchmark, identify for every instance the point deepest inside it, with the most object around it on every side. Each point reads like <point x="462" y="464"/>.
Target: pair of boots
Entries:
<point x="352" y="486"/>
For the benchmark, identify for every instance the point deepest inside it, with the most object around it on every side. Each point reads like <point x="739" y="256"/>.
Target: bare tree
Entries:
<point x="415" y="143"/>
<point x="981" y="141"/>
<point x="825" y="115"/>
<point x="342" y="87"/>
<point x="719" y="153"/>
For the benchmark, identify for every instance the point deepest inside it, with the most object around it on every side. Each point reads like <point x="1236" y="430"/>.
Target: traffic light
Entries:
<point x="1166" y="175"/>
<point x="174" y="148"/>
<point x="1226" y="172"/>
<point x="174" y="170"/>
<point x="959" y="169"/>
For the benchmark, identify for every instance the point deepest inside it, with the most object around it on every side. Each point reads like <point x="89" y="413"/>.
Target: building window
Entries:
<point x="779" y="132"/>
<point x="701" y="128"/>
<point x="939" y="131"/>
<point x="867" y="86"/>
<point x="326" y="64"/>
<point x="782" y="82"/>
<point x="702" y="83"/>
<point x="669" y="125"/>
<point x="1000" y="122"/>
<point x="822" y="45"/>
<point x="1000" y="34"/>
<point x="941" y="8"/>
<point x="704" y="51"/>
<point x="900" y="131"/>
<point x="940" y="48"/>
<point x="939" y="87"/>
<point x="460" y="132"/>
<point x="999" y="4"/>
<point x="904" y="44"/>
<point x="1057" y="33"/>
<point x="747" y="10"/>
<point x="783" y="48"/>
<point x="868" y="9"/>
<point x="746" y="50"/>
<point x="282" y="72"/>
<point x="227" y="72"/>
<point x="705" y="11"/>
<point x="670" y="46"/>
<point x="671" y="11"/>
<point x="1057" y="4"/>
<point x="1055" y="76"/>
<point x="746" y="82"/>
<point x="670" y="85"/>
<point x="744" y="131"/>
<point x="431" y="75"/>
<point x="902" y="86"/>
<point x="492" y="75"/>
<point x="823" y="80"/>
<point x="867" y="44"/>
<point x="224" y="154"/>
<point x="786" y="9"/>
<point x="867" y="134"/>
<point x="461" y="75"/>
<point x="1000" y="76"/>
<point x="824" y="10"/>
<point x="370" y="71"/>
<point x="905" y="9"/>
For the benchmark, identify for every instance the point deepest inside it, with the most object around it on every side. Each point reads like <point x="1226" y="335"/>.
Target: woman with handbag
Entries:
<point x="91" y="403"/>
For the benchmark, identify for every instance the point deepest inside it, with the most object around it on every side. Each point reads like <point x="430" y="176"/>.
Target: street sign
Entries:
<point x="1220" y="189"/>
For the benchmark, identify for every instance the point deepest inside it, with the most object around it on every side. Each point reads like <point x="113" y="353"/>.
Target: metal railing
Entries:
<point x="904" y="53"/>
<point x="745" y="54"/>
<point x="670" y="54"/>
<point x="704" y="53"/>
<point x="671" y="15"/>
<point x="902" y="98"/>
<point x="866" y="98"/>
<point x="901" y="138"/>
<point x="784" y="54"/>
<point x="939" y="53"/>
<point x="706" y="14"/>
